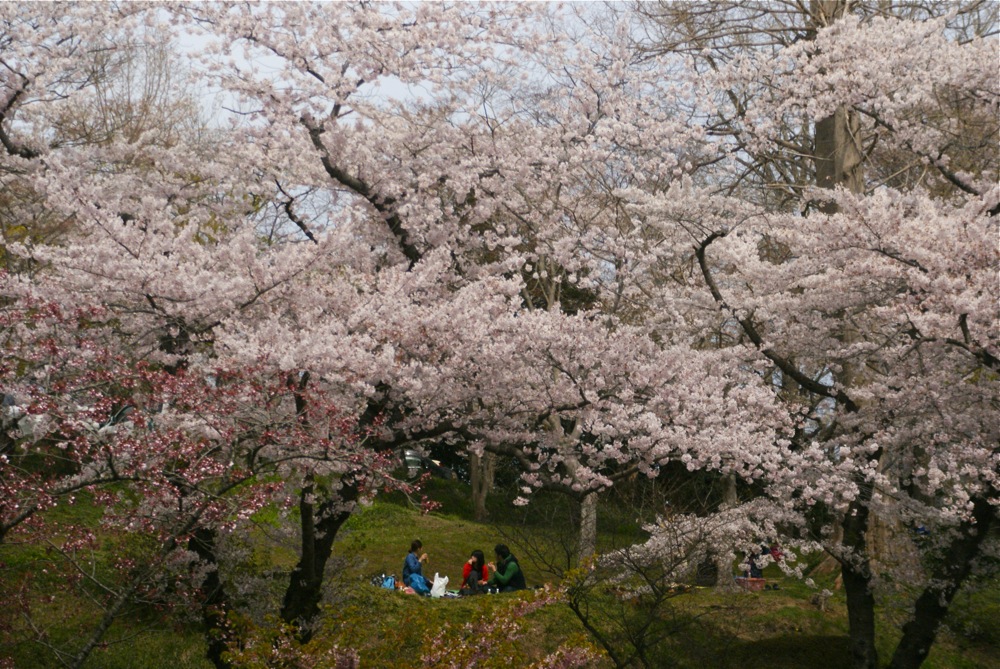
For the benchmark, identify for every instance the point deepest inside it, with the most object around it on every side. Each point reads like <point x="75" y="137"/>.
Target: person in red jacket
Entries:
<point x="475" y="573"/>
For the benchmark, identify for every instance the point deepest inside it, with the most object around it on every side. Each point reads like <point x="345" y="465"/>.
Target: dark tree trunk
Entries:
<point x="856" y="573"/>
<point x="861" y="618"/>
<point x="838" y="162"/>
<point x="319" y="528"/>
<point x="588" y="526"/>
<point x="213" y="606"/>
<point x="931" y="607"/>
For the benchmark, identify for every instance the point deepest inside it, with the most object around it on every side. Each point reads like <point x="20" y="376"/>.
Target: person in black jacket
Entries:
<point x="507" y="575"/>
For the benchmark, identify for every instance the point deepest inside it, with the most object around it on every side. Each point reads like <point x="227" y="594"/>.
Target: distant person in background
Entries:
<point x="755" y="562"/>
<point x="507" y="575"/>
<point x="413" y="564"/>
<point x="475" y="573"/>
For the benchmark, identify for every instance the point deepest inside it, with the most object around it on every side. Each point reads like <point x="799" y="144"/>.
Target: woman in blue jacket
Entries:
<point x="413" y="564"/>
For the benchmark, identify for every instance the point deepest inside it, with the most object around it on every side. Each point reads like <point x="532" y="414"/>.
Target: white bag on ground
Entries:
<point x="440" y="585"/>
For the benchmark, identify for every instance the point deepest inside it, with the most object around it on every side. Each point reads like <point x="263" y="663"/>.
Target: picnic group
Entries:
<point x="504" y="574"/>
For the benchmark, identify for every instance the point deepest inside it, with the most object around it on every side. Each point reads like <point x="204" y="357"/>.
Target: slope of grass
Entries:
<point x="774" y="628"/>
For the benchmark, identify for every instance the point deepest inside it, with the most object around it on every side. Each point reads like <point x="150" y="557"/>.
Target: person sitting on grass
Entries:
<point x="507" y="575"/>
<point x="413" y="564"/>
<point x="475" y="573"/>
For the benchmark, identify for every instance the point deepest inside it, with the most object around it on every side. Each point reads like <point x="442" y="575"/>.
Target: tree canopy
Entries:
<point x="755" y="239"/>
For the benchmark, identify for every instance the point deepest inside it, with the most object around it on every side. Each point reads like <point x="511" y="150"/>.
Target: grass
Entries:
<point x="138" y="642"/>
<point x="774" y="628"/>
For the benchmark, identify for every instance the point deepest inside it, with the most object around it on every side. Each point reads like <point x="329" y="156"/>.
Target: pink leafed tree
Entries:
<point x="866" y="296"/>
<point x="526" y="235"/>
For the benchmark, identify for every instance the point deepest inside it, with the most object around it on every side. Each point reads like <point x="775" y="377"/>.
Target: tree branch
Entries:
<point x="359" y="186"/>
<point x="750" y="329"/>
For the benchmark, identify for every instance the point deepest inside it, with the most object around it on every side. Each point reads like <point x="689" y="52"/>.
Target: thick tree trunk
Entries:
<point x="932" y="605"/>
<point x="838" y="161"/>
<point x="856" y="573"/>
<point x="588" y="526"/>
<point x="724" y="564"/>
<point x="860" y="618"/>
<point x="838" y="154"/>
<point x="319" y="528"/>
<point x="482" y="469"/>
<point x="891" y="546"/>
<point x="214" y="604"/>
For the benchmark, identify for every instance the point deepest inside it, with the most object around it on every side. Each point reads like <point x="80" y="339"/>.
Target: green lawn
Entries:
<point x="774" y="628"/>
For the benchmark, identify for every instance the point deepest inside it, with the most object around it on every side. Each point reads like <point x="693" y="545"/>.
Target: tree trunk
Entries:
<point x="107" y="619"/>
<point x="319" y="528"/>
<point x="588" y="526"/>
<point x="860" y="618"/>
<point x="856" y="573"/>
<point x="838" y="154"/>
<point x="838" y="157"/>
<point x="724" y="563"/>
<point x="838" y="161"/>
<point x="123" y="597"/>
<point x="482" y="469"/>
<point x="891" y="547"/>
<point x="214" y="604"/>
<point x="932" y="605"/>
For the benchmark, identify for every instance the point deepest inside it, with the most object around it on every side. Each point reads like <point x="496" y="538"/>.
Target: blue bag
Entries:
<point x="389" y="582"/>
<point x="420" y="584"/>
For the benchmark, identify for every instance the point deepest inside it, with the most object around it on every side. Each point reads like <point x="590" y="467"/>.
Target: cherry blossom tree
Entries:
<point x="904" y="411"/>
<point x="178" y="457"/>
<point x="480" y="224"/>
<point x="90" y="337"/>
<point x="492" y="226"/>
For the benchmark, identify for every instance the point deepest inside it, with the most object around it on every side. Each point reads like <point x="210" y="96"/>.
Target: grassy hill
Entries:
<point x="779" y="628"/>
